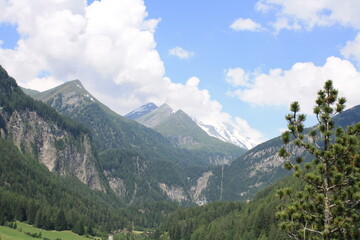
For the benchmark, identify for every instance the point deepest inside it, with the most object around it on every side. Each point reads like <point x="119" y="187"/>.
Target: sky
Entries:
<point x="232" y="61"/>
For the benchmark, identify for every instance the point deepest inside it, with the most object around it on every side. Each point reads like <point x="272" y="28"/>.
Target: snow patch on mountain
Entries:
<point x="224" y="131"/>
<point x="228" y="132"/>
<point x="141" y="111"/>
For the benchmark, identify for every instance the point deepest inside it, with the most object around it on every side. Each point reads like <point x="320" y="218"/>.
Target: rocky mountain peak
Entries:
<point x="157" y="116"/>
<point x="141" y="111"/>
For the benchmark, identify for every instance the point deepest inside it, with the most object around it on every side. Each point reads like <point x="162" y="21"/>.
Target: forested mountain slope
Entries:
<point x="183" y="132"/>
<point x="62" y="145"/>
<point x="231" y="220"/>
<point x="260" y="166"/>
<point x="36" y="144"/>
<point x="29" y="192"/>
<point x="139" y="163"/>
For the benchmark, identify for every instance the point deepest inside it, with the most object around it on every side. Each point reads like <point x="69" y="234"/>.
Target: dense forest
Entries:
<point x="12" y="98"/>
<point x="229" y="220"/>
<point x="29" y="192"/>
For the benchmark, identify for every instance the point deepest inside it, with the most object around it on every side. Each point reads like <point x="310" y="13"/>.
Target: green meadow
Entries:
<point x="7" y="233"/>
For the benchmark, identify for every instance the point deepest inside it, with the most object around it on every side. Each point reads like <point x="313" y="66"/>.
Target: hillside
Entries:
<point x="62" y="145"/>
<point x="230" y="220"/>
<point x="151" y="116"/>
<point x="139" y="163"/>
<point x="183" y="132"/>
<point x="141" y="111"/>
<point x="260" y="166"/>
<point x="29" y="192"/>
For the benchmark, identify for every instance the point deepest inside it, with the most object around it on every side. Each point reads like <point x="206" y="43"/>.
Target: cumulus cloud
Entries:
<point x="352" y="49"/>
<point x="181" y="53"/>
<point x="246" y="24"/>
<point x="236" y="77"/>
<point x="294" y="14"/>
<point x="108" y="45"/>
<point x="280" y="87"/>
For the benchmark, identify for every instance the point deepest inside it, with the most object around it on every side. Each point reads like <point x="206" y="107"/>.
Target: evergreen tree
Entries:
<point x="60" y="223"/>
<point x="79" y="228"/>
<point x="90" y="231"/>
<point x="328" y="207"/>
<point x="31" y="212"/>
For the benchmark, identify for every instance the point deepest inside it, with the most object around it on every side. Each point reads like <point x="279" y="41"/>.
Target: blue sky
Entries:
<point x="240" y="62"/>
<point x="203" y="28"/>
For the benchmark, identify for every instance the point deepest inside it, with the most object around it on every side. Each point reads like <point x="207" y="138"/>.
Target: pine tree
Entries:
<point x="79" y="228"/>
<point x="328" y="207"/>
<point x="60" y="222"/>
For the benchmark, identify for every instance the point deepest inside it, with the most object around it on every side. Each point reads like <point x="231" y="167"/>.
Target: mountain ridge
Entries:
<point x="225" y="132"/>
<point x="262" y="165"/>
<point x="139" y="112"/>
<point x="139" y="163"/>
<point x="184" y="132"/>
<point x="62" y="145"/>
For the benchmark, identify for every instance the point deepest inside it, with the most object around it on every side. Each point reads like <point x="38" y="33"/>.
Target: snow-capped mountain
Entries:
<point x="141" y="111"/>
<point x="224" y="131"/>
<point x="228" y="132"/>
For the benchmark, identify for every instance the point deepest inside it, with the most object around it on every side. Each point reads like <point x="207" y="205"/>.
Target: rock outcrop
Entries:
<point x="57" y="149"/>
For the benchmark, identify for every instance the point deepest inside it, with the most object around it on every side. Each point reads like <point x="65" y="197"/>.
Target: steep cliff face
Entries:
<point x="63" y="146"/>
<point x="54" y="147"/>
<point x="175" y="193"/>
<point x="195" y="194"/>
<point x="197" y="190"/>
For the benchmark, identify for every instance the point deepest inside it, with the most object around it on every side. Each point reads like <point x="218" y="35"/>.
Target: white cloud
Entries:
<point x="300" y="83"/>
<point x="108" y="45"/>
<point x="246" y="24"/>
<point x="294" y="14"/>
<point x="181" y="53"/>
<point x="352" y="49"/>
<point x="247" y="130"/>
<point x="236" y="77"/>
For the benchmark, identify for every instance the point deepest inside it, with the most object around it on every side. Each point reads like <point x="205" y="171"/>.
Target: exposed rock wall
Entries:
<point x="201" y="184"/>
<point x="174" y="193"/>
<point x="57" y="149"/>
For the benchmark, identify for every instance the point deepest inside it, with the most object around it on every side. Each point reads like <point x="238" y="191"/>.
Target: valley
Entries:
<point x="68" y="162"/>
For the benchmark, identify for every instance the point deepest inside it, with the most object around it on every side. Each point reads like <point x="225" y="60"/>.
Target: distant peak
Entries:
<point x="75" y="82"/>
<point x="165" y="106"/>
<point x="140" y="111"/>
<point x="150" y="104"/>
<point x="181" y="112"/>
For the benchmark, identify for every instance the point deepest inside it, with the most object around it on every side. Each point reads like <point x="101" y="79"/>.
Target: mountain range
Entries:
<point x="150" y="115"/>
<point x="163" y="154"/>
<point x="61" y="144"/>
<point x="183" y="132"/>
<point x="261" y="166"/>
<point x="197" y="179"/>
<point x="140" y="163"/>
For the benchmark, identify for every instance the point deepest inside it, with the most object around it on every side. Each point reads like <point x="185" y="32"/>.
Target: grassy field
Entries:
<point x="7" y="233"/>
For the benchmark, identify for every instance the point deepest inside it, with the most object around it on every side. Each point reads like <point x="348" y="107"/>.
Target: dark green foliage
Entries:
<point x="328" y="205"/>
<point x="60" y="222"/>
<point x="141" y="175"/>
<point x="34" y="235"/>
<point x="230" y="220"/>
<point x="140" y="157"/>
<point x="241" y="180"/>
<point x="184" y="224"/>
<point x="79" y="228"/>
<point x="29" y="192"/>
